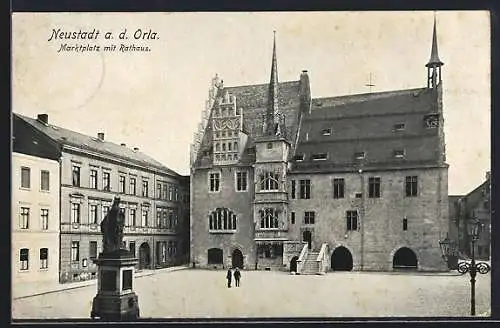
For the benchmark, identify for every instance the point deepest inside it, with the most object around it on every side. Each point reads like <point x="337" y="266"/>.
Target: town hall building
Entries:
<point x="281" y="180"/>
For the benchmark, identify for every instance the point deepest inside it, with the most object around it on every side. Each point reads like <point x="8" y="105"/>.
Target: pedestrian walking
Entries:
<point x="237" y="276"/>
<point x="229" y="276"/>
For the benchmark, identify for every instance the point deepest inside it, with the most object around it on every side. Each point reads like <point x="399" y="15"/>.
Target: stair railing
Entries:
<point x="302" y="257"/>
<point x="322" y="259"/>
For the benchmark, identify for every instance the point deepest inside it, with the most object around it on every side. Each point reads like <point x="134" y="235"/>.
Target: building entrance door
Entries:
<point x="341" y="259"/>
<point x="144" y="256"/>
<point x="293" y="264"/>
<point x="237" y="259"/>
<point x="307" y="237"/>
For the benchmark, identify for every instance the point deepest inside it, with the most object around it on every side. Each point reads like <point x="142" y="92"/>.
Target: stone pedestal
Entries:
<point x="115" y="299"/>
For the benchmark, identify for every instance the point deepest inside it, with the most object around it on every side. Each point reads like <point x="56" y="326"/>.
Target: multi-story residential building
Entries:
<point x="282" y="180"/>
<point x="93" y="171"/>
<point x="475" y="205"/>
<point x="35" y="209"/>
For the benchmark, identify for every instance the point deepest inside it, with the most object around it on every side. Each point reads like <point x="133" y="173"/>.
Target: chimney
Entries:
<point x="43" y="118"/>
<point x="123" y="145"/>
<point x="136" y="149"/>
<point x="305" y="92"/>
<point x="100" y="136"/>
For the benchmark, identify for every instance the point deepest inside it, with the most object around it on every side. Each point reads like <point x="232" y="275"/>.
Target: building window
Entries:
<point x="269" y="181"/>
<point x="44" y="258"/>
<point x="405" y="224"/>
<point x="359" y="155"/>
<point x="93" y="214"/>
<point x="121" y="184"/>
<point x="144" y="221"/>
<point x="93" y="179"/>
<point x="106" y="181"/>
<point x="214" y="182"/>
<point x="269" y="218"/>
<point x="131" y="247"/>
<point x="170" y="193"/>
<point x="411" y="185"/>
<point x="338" y="188"/>
<point x="374" y="187"/>
<point x="305" y="189"/>
<point x="241" y="181"/>
<point x="292" y="217"/>
<point x="76" y="176"/>
<point x="105" y="210"/>
<point x="399" y="127"/>
<point x="293" y="189"/>
<point x="25" y="218"/>
<point x="309" y="217"/>
<point x="298" y="158"/>
<point x="144" y="188"/>
<point x="44" y="216"/>
<point x="158" y="217"/>
<point x="45" y="180"/>
<point x="24" y="258"/>
<point x="93" y="249"/>
<point x="326" y="132"/>
<point x="75" y="251"/>
<point x="222" y="219"/>
<point x="270" y="250"/>
<point x="399" y="153"/>
<point x="25" y="177"/>
<point x="158" y="190"/>
<point x="132" y="186"/>
<point x="165" y="191"/>
<point x="319" y="157"/>
<point x="75" y="213"/>
<point x="352" y="220"/>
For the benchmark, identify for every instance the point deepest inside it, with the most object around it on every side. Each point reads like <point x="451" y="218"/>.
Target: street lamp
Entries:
<point x="474" y="229"/>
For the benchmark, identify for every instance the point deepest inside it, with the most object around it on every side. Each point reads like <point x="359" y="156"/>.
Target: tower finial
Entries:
<point x="434" y="64"/>
<point x="273" y="92"/>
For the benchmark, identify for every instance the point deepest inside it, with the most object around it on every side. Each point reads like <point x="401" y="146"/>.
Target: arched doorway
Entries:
<point x="237" y="259"/>
<point x="293" y="264"/>
<point x="307" y="237"/>
<point x="144" y="256"/>
<point x="341" y="259"/>
<point x="405" y="259"/>
<point x="215" y="256"/>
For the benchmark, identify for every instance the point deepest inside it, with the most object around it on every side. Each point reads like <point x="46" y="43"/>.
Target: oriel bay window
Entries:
<point x="269" y="218"/>
<point x="222" y="219"/>
<point x="269" y="181"/>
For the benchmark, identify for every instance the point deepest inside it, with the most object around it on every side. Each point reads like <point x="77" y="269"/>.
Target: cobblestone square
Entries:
<point x="204" y="294"/>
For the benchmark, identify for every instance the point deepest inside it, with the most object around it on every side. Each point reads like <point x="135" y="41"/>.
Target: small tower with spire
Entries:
<point x="434" y="64"/>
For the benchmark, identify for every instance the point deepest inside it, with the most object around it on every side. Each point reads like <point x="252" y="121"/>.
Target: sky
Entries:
<point x="154" y="100"/>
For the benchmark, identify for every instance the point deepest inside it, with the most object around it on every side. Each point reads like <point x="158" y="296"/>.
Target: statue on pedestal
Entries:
<point x="112" y="228"/>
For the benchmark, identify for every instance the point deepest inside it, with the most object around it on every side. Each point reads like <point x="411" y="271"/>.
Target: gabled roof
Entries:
<point x="342" y="127"/>
<point x="71" y="138"/>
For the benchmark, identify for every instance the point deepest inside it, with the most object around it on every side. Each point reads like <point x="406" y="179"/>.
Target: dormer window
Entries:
<point x="399" y="153"/>
<point x="326" y="132"/>
<point x="298" y="158"/>
<point x="319" y="157"/>
<point x="359" y="155"/>
<point x="399" y="127"/>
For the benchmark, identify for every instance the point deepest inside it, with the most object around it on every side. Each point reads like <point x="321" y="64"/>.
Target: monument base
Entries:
<point x="115" y="299"/>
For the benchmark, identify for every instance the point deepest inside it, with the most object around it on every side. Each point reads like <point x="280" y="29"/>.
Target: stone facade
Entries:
<point x="387" y="149"/>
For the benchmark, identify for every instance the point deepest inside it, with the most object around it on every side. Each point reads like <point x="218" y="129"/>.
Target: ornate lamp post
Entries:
<point x="474" y="229"/>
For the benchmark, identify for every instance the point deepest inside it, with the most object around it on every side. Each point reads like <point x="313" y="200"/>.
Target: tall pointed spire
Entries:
<point x="272" y="108"/>
<point x="434" y="64"/>
<point x="434" y="60"/>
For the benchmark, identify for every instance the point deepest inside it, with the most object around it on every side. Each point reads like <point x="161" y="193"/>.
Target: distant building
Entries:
<point x="93" y="171"/>
<point x="35" y="209"/>
<point x="281" y="180"/>
<point x="475" y="205"/>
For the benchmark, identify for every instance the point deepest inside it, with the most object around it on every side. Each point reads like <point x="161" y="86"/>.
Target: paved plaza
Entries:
<point x="204" y="294"/>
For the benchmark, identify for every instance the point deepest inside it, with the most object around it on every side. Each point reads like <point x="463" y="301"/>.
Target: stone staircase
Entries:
<point x="310" y="263"/>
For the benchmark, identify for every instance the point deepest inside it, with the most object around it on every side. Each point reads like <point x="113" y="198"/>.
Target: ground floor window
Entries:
<point x="44" y="258"/>
<point x="270" y="250"/>
<point x="215" y="256"/>
<point x="24" y="258"/>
